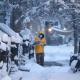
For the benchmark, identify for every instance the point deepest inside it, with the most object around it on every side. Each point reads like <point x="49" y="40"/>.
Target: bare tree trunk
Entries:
<point x="75" y="34"/>
<point x="75" y="41"/>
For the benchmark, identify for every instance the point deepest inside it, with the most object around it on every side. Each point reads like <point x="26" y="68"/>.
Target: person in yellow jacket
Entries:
<point x="40" y="42"/>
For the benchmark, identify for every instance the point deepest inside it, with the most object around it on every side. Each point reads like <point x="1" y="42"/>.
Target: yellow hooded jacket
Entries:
<point x="39" y="47"/>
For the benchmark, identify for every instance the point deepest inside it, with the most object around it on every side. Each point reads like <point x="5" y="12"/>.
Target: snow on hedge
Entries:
<point x="14" y="36"/>
<point x="4" y="38"/>
<point x="7" y="29"/>
<point x="25" y="33"/>
<point x="7" y="35"/>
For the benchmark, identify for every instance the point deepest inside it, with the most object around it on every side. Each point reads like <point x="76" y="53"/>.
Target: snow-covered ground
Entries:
<point x="59" y="54"/>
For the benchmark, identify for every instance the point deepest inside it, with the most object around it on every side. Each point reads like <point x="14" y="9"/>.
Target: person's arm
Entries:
<point x="37" y="41"/>
<point x="43" y="42"/>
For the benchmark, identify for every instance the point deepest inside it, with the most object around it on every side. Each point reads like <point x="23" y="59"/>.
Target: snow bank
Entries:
<point x="38" y="72"/>
<point x="49" y="73"/>
<point x="4" y="74"/>
<point x="17" y="75"/>
<point x="6" y="78"/>
<point x="55" y="53"/>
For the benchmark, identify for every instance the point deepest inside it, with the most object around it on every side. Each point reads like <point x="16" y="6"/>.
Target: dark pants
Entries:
<point x="40" y="58"/>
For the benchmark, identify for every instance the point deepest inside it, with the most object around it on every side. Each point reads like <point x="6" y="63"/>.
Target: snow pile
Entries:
<point x="49" y="73"/>
<point x="3" y="46"/>
<point x="1" y="64"/>
<point x="38" y="72"/>
<point x="55" y="53"/>
<point x="17" y="75"/>
<point x="5" y="38"/>
<point x="4" y="74"/>
<point x="16" y="38"/>
<point x="27" y="35"/>
<point x="7" y="35"/>
<point x="6" y="78"/>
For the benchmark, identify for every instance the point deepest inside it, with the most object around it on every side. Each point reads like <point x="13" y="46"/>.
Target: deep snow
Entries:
<point x="59" y="54"/>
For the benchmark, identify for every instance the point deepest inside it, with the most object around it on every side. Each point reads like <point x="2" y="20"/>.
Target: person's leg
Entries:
<point x="42" y="59"/>
<point x="38" y="58"/>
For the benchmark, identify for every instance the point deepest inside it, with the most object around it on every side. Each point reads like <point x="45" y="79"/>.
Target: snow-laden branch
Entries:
<point x="35" y="9"/>
<point x="62" y="31"/>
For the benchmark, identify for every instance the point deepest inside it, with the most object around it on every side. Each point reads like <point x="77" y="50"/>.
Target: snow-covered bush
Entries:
<point x="16" y="38"/>
<point x="27" y="19"/>
<point x="25" y="34"/>
<point x="3" y="46"/>
<point x="5" y="38"/>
